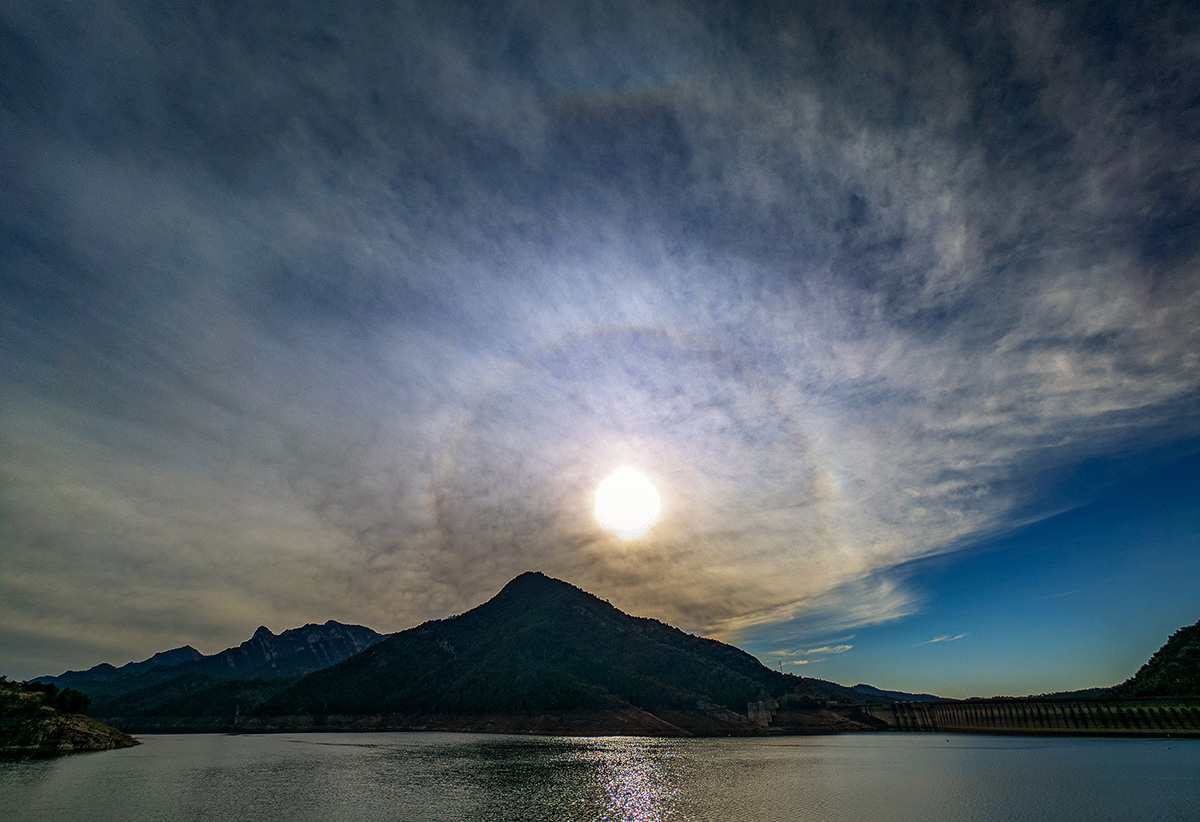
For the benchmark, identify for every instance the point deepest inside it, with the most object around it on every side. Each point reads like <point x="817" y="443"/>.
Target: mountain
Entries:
<point x="297" y="651"/>
<point x="160" y="682"/>
<point x="545" y="655"/>
<point x="1173" y="670"/>
<point x="897" y="696"/>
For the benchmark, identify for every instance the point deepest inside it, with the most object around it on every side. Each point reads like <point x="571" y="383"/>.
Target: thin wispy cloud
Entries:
<point x="789" y="657"/>
<point x="780" y="659"/>
<point x="827" y="649"/>
<point x="943" y="638"/>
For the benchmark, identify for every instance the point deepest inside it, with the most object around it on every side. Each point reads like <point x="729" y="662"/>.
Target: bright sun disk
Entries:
<point x="627" y="503"/>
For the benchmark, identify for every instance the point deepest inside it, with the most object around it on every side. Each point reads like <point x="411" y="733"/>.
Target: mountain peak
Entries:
<point x="175" y="656"/>
<point x="263" y="632"/>
<point x="531" y="579"/>
<point x="533" y="588"/>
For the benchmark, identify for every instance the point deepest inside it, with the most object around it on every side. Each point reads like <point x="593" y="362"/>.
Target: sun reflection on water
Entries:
<point x="636" y="790"/>
<point x="635" y="779"/>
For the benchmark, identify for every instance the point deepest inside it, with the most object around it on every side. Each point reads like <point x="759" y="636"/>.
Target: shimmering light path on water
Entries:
<point x="444" y="777"/>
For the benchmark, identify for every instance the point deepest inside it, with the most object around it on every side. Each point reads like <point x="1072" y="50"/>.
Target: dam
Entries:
<point x="1173" y="716"/>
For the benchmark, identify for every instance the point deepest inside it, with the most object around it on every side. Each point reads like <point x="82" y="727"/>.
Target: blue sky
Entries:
<point x="319" y="312"/>
<point x="1077" y="600"/>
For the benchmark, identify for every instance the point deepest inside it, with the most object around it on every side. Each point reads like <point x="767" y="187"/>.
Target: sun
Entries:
<point x="627" y="503"/>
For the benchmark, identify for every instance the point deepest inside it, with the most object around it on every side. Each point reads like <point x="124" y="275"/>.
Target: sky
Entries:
<point x="319" y="311"/>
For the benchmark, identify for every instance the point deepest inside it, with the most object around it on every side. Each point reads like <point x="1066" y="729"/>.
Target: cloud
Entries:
<point x="803" y="657"/>
<point x="943" y="638"/>
<point x="827" y="649"/>
<point x="872" y="600"/>
<point x="349" y="322"/>
<point x="797" y="657"/>
<point x="780" y="658"/>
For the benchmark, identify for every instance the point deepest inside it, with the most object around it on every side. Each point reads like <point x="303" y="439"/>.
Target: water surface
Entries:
<point x="426" y="777"/>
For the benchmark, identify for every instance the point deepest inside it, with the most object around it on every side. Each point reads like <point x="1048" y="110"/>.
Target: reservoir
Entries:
<point x="442" y="777"/>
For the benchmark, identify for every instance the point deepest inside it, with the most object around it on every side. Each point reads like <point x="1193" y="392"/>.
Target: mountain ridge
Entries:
<point x="541" y="655"/>
<point x="106" y="672"/>
<point x="542" y="645"/>
<point x="178" y="674"/>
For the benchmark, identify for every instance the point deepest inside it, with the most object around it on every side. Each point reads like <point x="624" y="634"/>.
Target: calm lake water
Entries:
<point x="418" y="777"/>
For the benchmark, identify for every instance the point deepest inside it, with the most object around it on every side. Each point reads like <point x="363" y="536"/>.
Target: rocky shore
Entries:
<point x="52" y="733"/>
<point x="31" y="725"/>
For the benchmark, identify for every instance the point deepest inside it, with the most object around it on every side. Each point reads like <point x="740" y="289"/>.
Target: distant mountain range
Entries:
<point x="540" y="656"/>
<point x="184" y="673"/>
<point x="543" y="646"/>
<point x="105" y="672"/>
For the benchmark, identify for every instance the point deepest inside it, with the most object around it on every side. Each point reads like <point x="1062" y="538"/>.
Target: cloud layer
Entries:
<point x="314" y="314"/>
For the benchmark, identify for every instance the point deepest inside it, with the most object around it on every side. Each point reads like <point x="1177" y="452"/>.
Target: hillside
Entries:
<point x="40" y="722"/>
<point x="544" y="647"/>
<point x="1173" y="670"/>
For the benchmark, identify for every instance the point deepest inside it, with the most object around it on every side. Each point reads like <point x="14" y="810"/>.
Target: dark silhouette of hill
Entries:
<point x="105" y="672"/>
<point x="544" y="646"/>
<point x="542" y="655"/>
<point x="898" y="696"/>
<point x="1173" y="670"/>
<point x="1079" y="693"/>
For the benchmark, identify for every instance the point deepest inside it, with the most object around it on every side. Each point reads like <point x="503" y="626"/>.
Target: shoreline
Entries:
<point x="621" y="722"/>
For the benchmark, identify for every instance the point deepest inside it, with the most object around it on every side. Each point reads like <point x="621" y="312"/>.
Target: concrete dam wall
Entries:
<point x="1064" y="717"/>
